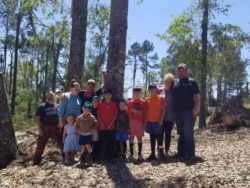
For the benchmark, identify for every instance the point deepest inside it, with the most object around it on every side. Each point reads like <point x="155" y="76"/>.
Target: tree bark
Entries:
<point x="78" y="40"/>
<point x="203" y="104"/>
<point x="8" y="142"/>
<point x="117" y="47"/>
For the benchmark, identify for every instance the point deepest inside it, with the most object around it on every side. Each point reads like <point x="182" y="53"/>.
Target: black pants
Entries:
<point x="167" y="128"/>
<point x="107" y="144"/>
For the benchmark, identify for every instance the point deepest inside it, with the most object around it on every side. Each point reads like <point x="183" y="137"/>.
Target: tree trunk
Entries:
<point x="8" y="142"/>
<point x="13" y="95"/>
<point x="117" y="47"/>
<point x="78" y="40"/>
<point x="203" y="104"/>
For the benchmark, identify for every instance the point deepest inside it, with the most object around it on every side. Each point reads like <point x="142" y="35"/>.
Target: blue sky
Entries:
<point x="154" y="16"/>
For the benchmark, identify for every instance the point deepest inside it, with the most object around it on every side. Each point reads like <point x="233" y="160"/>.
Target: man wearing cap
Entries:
<point x="136" y="112"/>
<point x="186" y="100"/>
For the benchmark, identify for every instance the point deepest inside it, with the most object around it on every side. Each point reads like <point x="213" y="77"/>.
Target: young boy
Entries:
<point x="85" y="123"/>
<point x="107" y="112"/>
<point x="154" y="119"/>
<point x="122" y="129"/>
<point x="136" y="112"/>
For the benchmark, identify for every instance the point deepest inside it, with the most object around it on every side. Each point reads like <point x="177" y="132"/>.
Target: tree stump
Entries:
<point x="8" y="144"/>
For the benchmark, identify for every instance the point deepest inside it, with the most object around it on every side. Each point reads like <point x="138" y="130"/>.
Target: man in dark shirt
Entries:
<point x="186" y="100"/>
<point x="47" y="122"/>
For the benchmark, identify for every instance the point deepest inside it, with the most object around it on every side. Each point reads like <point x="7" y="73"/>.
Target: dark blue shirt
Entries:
<point x="183" y="94"/>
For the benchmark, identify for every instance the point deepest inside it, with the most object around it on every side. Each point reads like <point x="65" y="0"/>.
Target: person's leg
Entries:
<point x="132" y="131"/>
<point x="180" y="132"/>
<point x="188" y="131"/>
<point x="67" y="157"/>
<point x="41" y="144"/>
<point x="124" y="149"/>
<point x="168" y="130"/>
<point x="131" y="146"/>
<point x="83" y="154"/>
<point x="110" y="145"/>
<point x="95" y="150"/>
<point x="139" y="140"/>
<point x="159" y="138"/>
<point x="152" y="146"/>
<point x="56" y="134"/>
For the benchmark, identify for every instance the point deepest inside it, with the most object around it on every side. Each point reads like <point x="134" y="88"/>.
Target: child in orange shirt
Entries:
<point x="154" y="119"/>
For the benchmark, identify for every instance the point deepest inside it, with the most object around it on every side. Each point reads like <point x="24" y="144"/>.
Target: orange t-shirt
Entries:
<point x="137" y="104"/>
<point x="154" y="106"/>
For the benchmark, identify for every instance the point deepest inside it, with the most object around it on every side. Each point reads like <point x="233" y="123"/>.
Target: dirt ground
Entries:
<point x="223" y="160"/>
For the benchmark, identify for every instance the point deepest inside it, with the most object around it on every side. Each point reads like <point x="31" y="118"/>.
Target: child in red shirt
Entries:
<point x="136" y="111"/>
<point x="107" y="112"/>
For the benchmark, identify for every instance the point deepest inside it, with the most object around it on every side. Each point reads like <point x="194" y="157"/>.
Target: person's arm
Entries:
<point x="39" y="125"/>
<point x="162" y="112"/>
<point x="61" y="111"/>
<point x="64" y="134"/>
<point x="101" y="125"/>
<point x="145" y="115"/>
<point x="197" y="99"/>
<point x="113" y="120"/>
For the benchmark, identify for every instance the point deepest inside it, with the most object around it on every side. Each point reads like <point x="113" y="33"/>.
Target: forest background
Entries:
<point x="39" y="61"/>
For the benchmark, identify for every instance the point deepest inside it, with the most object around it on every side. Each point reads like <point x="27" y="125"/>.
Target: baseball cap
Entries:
<point x="107" y="90"/>
<point x="91" y="81"/>
<point x="152" y="86"/>
<point x="182" y="65"/>
<point x="137" y="88"/>
<point x="87" y="104"/>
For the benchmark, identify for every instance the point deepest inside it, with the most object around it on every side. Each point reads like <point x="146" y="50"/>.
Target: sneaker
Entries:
<point x="89" y="159"/>
<point x="151" y="157"/>
<point x="37" y="160"/>
<point x="83" y="158"/>
<point x="162" y="156"/>
<point x="140" y="158"/>
<point x="131" y="158"/>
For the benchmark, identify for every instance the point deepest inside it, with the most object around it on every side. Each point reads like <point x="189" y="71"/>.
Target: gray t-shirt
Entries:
<point x="169" y="109"/>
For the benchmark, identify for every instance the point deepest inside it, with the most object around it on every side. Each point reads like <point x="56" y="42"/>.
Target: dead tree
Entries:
<point x="8" y="142"/>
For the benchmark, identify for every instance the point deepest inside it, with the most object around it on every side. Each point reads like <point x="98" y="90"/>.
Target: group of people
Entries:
<point x="100" y="129"/>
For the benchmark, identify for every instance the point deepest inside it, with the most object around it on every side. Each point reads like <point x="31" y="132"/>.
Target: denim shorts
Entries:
<point x="86" y="139"/>
<point x="153" y="128"/>
<point x="121" y="136"/>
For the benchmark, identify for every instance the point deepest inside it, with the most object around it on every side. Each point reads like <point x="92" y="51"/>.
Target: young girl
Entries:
<point x="122" y="129"/>
<point x="70" y="140"/>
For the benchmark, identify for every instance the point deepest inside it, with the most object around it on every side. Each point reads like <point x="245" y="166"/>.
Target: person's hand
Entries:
<point x="161" y="122"/>
<point x="63" y="97"/>
<point x="196" y="111"/>
<point x="60" y="124"/>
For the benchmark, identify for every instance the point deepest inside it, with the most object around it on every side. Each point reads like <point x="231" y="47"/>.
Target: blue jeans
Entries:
<point x="185" y="129"/>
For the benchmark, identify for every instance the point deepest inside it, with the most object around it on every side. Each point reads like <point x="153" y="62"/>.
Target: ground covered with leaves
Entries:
<point x="223" y="160"/>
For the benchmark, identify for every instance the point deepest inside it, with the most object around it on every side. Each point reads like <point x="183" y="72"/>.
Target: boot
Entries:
<point x="83" y="158"/>
<point x="89" y="159"/>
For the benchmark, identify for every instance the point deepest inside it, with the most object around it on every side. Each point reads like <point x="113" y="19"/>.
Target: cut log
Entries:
<point x="231" y="120"/>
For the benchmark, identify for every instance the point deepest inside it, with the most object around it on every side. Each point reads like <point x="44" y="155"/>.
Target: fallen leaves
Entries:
<point x="224" y="162"/>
